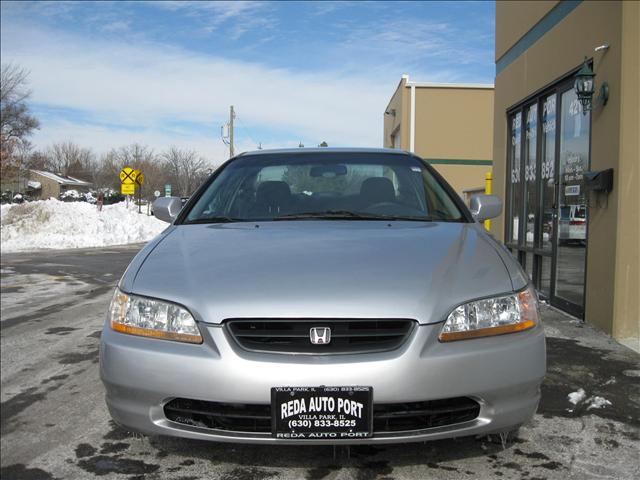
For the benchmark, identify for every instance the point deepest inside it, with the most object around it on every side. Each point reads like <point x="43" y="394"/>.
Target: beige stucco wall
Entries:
<point x="49" y="188"/>
<point x="464" y="177"/>
<point x="455" y="124"/>
<point x="559" y="51"/>
<point x="451" y="124"/>
<point x="400" y="103"/>
<point x="515" y="18"/>
<point x="627" y="263"/>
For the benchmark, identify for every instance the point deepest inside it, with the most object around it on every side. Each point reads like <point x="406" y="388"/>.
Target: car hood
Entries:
<point x="322" y="269"/>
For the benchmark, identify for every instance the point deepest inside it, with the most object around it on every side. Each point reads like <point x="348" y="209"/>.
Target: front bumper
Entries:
<point x="503" y="374"/>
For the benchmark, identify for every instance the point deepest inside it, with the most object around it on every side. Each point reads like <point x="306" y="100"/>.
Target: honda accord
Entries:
<point x="323" y="296"/>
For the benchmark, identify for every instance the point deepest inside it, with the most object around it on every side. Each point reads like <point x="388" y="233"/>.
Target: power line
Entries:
<point x="248" y="133"/>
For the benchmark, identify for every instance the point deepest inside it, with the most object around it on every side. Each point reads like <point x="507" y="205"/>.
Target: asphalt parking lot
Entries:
<point x="55" y="424"/>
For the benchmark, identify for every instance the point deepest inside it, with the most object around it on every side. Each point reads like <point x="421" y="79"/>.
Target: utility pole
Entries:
<point x="228" y="140"/>
<point x="232" y="116"/>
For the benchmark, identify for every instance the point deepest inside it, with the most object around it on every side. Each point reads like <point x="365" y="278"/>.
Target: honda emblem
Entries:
<point x="320" y="335"/>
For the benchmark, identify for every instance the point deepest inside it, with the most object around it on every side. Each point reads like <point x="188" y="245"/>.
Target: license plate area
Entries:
<point x="335" y="413"/>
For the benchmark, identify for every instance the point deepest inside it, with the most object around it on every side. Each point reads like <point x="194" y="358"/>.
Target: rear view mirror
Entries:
<point x="484" y="207"/>
<point x="167" y="208"/>
<point x="328" y="171"/>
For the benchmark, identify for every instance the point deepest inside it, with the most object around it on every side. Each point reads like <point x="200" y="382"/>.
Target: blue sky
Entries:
<point x="106" y="74"/>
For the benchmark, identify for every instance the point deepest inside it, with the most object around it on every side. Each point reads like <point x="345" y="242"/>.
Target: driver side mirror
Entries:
<point x="484" y="207"/>
<point x="167" y="208"/>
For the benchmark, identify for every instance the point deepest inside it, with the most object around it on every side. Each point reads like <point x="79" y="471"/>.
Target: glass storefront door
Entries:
<point x="571" y="219"/>
<point x="546" y="225"/>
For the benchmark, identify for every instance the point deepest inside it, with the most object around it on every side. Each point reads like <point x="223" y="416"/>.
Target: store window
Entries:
<point x="395" y="139"/>
<point x="547" y="170"/>
<point x="515" y="146"/>
<point x="546" y="211"/>
<point x="572" y="203"/>
<point x="530" y="173"/>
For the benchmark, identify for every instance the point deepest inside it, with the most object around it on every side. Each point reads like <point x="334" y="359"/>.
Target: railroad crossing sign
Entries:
<point x="128" y="176"/>
<point x="139" y="177"/>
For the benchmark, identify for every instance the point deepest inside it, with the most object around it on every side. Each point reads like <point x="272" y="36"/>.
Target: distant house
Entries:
<point x="43" y="185"/>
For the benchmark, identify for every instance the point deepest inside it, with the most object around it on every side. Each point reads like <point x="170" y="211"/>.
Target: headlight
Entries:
<point x="152" y="318"/>
<point x="492" y="316"/>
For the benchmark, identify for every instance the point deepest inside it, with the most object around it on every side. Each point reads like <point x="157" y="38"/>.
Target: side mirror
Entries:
<point x="484" y="207"/>
<point x="167" y="208"/>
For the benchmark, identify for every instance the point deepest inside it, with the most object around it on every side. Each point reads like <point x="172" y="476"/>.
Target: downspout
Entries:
<point x="412" y="121"/>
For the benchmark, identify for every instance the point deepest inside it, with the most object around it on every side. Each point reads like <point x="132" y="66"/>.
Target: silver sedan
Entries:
<point x="323" y="296"/>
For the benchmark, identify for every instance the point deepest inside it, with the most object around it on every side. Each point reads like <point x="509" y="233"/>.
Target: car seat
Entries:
<point x="272" y="198"/>
<point x="376" y="190"/>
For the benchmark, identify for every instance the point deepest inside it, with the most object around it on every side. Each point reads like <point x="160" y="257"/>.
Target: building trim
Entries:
<point x="484" y="86"/>
<point x="455" y="161"/>
<point x="550" y="20"/>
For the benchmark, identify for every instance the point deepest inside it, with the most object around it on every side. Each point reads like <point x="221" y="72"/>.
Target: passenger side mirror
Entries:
<point x="167" y="208"/>
<point x="484" y="207"/>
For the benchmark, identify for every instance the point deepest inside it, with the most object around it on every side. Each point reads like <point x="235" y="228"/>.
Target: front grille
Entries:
<point x="399" y="417"/>
<point x="293" y="335"/>
<point x="236" y="417"/>
<point x="387" y="418"/>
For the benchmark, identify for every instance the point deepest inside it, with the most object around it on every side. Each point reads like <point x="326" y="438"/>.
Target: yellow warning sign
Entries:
<point x="140" y="178"/>
<point x="128" y="188"/>
<point x="128" y="176"/>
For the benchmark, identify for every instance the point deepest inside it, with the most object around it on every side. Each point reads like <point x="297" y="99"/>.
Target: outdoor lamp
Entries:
<point x="585" y="87"/>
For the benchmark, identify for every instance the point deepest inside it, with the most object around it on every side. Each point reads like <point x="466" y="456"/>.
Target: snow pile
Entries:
<point x="71" y="194"/>
<point x="580" y="396"/>
<point x="55" y="224"/>
<point x="598" y="402"/>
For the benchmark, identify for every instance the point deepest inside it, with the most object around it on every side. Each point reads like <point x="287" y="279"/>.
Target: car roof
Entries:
<point x="300" y="150"/>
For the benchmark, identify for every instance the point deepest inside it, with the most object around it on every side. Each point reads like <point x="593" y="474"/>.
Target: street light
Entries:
<point x="585" y="87"/>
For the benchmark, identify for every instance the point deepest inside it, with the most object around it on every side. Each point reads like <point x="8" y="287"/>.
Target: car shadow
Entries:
<point x="379" y="458"/>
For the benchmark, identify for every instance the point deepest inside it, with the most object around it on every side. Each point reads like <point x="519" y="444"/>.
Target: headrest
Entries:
<point x="272" y="191"/>
<point x="378" y="189"/>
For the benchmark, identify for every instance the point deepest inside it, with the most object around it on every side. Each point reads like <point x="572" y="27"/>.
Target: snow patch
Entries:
<point x="577" y="397"/>
<point x="60" y="225"/>
<point x="598" y="402"/>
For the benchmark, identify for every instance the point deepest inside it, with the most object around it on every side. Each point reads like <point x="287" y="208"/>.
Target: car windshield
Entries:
<point x="279" y="187"/>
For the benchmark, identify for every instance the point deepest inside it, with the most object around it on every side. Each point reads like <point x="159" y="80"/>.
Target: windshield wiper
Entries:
<point x="222" y="219"/>
<point x="347" y="215"/>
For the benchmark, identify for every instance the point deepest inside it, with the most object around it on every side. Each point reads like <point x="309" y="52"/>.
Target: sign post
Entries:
<point x="139" y="183"/>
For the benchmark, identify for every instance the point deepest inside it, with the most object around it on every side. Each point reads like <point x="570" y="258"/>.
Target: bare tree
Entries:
<point x="68" y="158"/>
<point x="136" y="156"/>
<point x="106" y="173"/>
<point x="186" y="169"/>
<point x="16" y="123"/>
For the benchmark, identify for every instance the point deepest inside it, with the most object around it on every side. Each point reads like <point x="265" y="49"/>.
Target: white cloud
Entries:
<point x="102" y="139"/>
<point x="248" y="14"/>
<point x="152" y="86"/>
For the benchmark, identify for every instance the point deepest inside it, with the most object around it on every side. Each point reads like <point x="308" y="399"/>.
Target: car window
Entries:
<point x="291" y="187"/>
